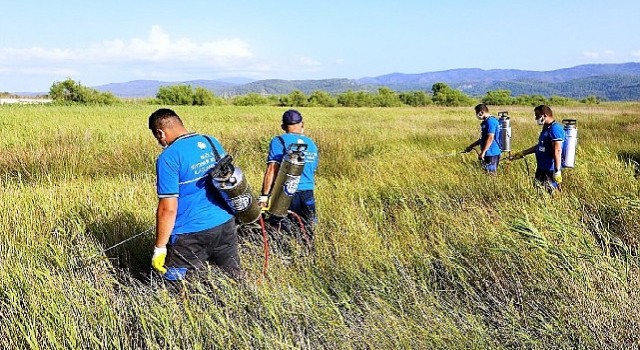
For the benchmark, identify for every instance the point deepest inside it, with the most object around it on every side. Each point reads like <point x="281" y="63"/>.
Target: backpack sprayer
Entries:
<point x="504" y="132"/>
<point x="287" y="180"/>
<point x="570" y="143"/>
<point x="230" y="182"/>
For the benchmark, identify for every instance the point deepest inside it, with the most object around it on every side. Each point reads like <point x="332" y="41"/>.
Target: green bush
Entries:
<point x="70" y="91"/>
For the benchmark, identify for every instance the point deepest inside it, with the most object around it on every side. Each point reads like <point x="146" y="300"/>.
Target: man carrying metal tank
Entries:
<point x="302" y="200"/>
<point x="490" y="151"/>
<point x="194" y="227"/>
<point x="548" y="150"/>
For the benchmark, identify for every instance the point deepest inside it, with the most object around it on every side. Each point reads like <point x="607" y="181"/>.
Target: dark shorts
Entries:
<point x="304" y="204"/>
<point x="301" y="223"/>
<point x="545" y="178"/>
<point x="490" y="163"/>
<point x="193" y="251"/>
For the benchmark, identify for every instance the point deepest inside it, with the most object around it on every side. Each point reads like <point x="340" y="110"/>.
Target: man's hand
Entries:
<point x="517" y="155"/>
<point x="481" y="155"/>
<point x="557" y="177"/>
<point x="157" y="261"/>
<point x="263" y="202"/>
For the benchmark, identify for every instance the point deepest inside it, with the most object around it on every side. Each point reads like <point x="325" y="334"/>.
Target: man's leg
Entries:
<point x="491" y="164"/>
<point x="184" y="254"/>
<point x="223" y="250"/>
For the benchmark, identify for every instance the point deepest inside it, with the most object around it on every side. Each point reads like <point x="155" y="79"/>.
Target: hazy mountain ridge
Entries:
<point x="608" y="81"/>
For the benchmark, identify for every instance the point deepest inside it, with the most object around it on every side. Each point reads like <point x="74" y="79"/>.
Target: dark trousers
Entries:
<point x="545" y="178"/>
<point x="193" y="251"/>
<point x="490" y="163"/>
<point x="303" y="205"/>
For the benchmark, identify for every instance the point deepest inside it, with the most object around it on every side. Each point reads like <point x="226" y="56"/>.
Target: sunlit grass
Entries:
<point x="416" y="246"/>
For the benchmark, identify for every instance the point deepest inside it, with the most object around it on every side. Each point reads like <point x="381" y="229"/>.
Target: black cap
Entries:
<point x="291" y="117"/>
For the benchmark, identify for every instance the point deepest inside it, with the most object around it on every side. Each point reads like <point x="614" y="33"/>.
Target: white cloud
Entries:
<point x="157" y="47"/>
<point x="636" y="53"/>
<point x="156" y="56"/>
<point x="40" y="71"/>
<point x="307" y="61"/>
<point x="599" y="54"/>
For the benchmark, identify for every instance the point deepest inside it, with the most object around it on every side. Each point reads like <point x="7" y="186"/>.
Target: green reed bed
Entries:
<point x="416" y="247"/>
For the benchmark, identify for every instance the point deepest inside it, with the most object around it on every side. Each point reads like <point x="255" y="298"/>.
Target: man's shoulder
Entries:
<point x="556" y="128"/>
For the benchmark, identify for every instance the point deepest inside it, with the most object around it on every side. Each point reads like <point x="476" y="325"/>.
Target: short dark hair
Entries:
<point x="482" y="108"/>
<point x="162" y="117"/>
<point x="543" y="109"/>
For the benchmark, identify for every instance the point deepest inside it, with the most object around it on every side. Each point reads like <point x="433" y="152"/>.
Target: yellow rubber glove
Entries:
<point x="517" y="155"/>
<point x="263" y="202"/>
<point x="557" y="177"/>
<point x="157" y="261"/>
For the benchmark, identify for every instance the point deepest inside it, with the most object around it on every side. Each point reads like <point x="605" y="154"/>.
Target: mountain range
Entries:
<point x="614" y="82"/>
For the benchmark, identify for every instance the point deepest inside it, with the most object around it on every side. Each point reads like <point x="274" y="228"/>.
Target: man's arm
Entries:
<point x="530" y="150"/>
<point x="470" y="147"/>
<point x="557" y="155"/>
<point x="484" y="148"/>
<point x="269" y="176"/>
<point x="165" y="220"/>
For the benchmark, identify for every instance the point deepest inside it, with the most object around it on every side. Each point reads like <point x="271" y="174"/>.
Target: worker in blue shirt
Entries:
<point x="548" y="150"/>
<point x="490" y="151"/>
<point x="194" y="226"/>
<point x="303" y="202"/>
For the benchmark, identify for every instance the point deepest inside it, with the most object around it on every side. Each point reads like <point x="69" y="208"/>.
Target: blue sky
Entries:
<point x="100" y="42"/>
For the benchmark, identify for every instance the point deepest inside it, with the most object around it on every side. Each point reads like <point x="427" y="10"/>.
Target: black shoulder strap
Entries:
<point x="215" y="150"/>
<point x="284" y="145"/>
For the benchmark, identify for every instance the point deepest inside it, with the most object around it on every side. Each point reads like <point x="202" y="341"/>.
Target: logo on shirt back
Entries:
<point x="202" y="145"/>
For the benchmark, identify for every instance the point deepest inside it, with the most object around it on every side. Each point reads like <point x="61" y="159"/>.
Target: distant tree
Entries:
<point x="70" y="91"/>
<point x="531" y="100"/>
<point x="321" y="98"/>
<point x="415" y="98"/>
<point x="285" y="101"/>
<point x="445" y="96"/>
<point x="297" y="98"/>
<point x="386" y="98"/>
<point x="364" y="99"/>
<point x="347" y="99"/>
<point x="250" y="99"/>
<point x="592" y="99"/>
<point x="560" y="101"/>
<point x="175" y="95"/>
<point x="498" y="98"/>
<point x="204" y="97"/>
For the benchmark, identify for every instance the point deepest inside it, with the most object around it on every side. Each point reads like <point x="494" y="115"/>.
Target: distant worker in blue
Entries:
<point x="490" y="151"/>
<point x="303" y="202"/>
<point x="194" y="227"/>
<point x="548" y="150"/>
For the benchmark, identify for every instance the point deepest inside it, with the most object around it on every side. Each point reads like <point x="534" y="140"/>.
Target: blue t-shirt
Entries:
<point x="277" y="150"/>
<point x="490" y="126"/>
<point x="182" y="172"/>
<point x="544" y="151"/>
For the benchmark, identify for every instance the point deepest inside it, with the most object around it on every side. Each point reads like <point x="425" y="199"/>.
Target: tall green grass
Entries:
<point x="416" y="246"/>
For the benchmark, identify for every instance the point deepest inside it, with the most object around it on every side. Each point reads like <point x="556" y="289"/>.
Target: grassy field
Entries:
<point x="416" y="248"/>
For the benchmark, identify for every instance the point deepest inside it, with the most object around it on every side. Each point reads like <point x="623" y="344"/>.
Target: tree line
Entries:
<point x="72" y="92"/>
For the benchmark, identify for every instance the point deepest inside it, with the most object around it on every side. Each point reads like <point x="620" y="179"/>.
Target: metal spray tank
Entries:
<point x="504" y="134"/>
<point x="570" y="143"/>
<point x="234" y="189"/>
<point x="287" y="180"/>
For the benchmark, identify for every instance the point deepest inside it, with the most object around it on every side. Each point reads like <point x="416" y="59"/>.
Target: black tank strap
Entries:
<point x="215" y="150"/>
<point x="284" y="145"/>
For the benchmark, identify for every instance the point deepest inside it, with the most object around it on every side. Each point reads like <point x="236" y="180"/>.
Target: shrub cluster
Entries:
<point x="441" y="95"/>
